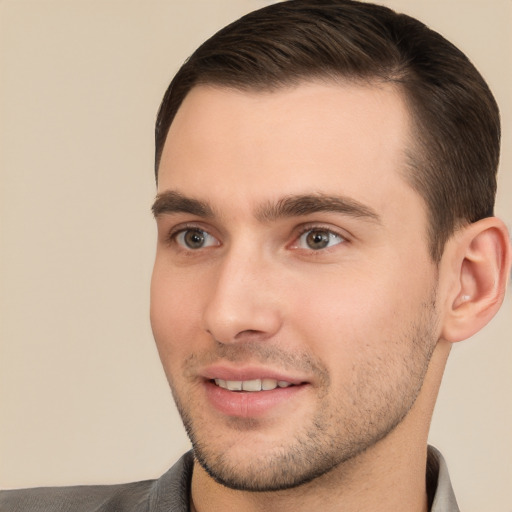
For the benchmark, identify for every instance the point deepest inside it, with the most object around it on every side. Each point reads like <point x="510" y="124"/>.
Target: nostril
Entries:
<point x="249" y="332"/>
<point x="241" y="320"/>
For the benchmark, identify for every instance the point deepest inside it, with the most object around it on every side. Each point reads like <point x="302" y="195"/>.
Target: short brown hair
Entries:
<point x="455" y="157"/>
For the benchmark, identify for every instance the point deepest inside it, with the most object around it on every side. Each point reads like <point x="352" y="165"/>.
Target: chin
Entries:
<point x="265" y="473"/>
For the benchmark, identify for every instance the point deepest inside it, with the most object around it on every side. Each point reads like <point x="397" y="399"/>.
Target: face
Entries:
<point x="292" y="298"/>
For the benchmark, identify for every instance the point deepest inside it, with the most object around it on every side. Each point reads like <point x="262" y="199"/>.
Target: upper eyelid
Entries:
<point x="343" y="233"/>
<point x="177" y="231"/>
<point x="169" y="234"/>
<point x="296" y="240"/>
<point x="184" y="226"/>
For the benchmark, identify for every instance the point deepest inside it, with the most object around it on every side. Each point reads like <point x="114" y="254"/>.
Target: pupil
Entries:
<point x="318" y="239"/>
<point x="194" y="239"/>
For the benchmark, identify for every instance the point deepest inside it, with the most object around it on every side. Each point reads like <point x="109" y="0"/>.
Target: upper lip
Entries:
<point x="243" y="373"/>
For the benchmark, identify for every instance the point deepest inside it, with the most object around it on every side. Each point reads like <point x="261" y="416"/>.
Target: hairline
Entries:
<point x="327" y="78"/>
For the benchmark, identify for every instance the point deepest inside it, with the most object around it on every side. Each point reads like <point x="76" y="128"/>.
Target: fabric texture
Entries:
<point x="171" y="493"/>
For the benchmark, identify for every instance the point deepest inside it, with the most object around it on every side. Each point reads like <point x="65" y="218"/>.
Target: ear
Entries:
<point x="479" y="264"/>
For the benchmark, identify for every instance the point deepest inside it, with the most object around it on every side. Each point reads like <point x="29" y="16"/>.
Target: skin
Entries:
<point x="361" y="324"/>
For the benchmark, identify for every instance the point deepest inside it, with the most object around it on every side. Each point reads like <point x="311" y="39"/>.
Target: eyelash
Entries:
<point x="319" y="228"/>
<point x="174" y="233"/>
<point x="172" y="237"/>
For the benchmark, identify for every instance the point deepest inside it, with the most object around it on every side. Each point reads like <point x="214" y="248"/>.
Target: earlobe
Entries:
<point x="481" y="262"/>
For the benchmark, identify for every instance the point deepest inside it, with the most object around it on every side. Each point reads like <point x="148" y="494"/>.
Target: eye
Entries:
<point x="195" y="238"/>
<point x="318" y="238"/>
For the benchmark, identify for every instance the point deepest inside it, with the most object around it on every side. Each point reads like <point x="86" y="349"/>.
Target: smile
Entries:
<point x="253" y="385"/>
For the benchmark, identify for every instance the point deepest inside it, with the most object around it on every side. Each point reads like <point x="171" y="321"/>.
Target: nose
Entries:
<point x="244" y="302"/>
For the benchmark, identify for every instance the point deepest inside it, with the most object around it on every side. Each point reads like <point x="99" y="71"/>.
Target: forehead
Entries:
<point x="343" y="138"/>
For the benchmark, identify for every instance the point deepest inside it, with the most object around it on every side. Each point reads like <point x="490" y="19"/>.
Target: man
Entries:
<point x="326" y="181"/>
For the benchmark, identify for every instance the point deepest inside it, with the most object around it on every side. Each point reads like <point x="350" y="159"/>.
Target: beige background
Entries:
<point x="82" y="395"/>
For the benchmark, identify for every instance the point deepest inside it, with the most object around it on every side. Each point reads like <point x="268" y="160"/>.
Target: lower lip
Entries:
<point x="247" y="404"/>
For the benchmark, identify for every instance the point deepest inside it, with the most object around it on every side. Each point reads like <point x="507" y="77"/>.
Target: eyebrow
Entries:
<point x="170" y="202"/>
<point x="302" y="205"/>
<point x="173" y="202"/>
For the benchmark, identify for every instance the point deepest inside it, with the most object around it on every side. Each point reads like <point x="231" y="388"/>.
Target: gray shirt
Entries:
<point x="171" y="493"/>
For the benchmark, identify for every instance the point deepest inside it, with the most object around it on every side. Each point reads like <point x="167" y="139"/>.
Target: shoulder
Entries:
<point x="129" y="497"/>
<point x="170" y="493"/>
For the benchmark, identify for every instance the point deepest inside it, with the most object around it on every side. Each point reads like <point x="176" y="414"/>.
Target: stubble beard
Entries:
<point x="336" y="433"/>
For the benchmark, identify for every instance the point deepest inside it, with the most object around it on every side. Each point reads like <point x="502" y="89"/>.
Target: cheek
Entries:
<point x="359" y="316"/>
<point x="174" y="314"/>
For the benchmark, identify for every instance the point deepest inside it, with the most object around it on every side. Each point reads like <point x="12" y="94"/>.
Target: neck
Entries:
<point x="391" y="475"/>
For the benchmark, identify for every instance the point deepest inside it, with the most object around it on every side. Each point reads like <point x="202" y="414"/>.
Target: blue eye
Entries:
<point x="318" y="238"/>
<point x="195" y="239"/>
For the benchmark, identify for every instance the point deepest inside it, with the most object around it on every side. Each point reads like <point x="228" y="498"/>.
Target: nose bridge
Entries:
<point x="243" y="303"/>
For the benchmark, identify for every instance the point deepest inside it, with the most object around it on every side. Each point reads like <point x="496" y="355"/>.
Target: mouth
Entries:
<point x="252" y="386"/>
<point x="251" y="392"/>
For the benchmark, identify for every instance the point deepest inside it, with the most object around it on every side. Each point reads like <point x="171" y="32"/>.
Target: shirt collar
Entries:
<point x="439" y="487"/>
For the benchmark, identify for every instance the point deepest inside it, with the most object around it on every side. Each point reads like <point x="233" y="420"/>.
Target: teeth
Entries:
<point x="252" y="385"/>
<point x="234" y="385"/>
<point x="268" y="384"/>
